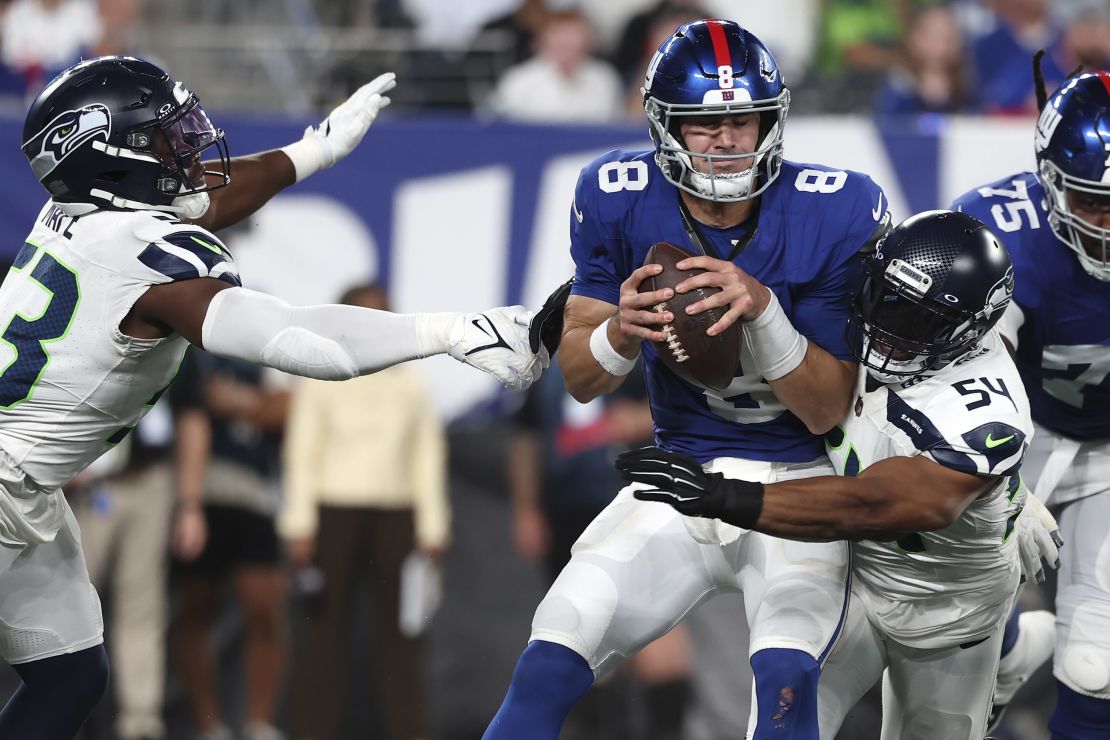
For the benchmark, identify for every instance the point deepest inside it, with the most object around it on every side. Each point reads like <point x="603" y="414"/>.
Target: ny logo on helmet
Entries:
<point x="1046" y="125"/>
<point x="66" y="133"/>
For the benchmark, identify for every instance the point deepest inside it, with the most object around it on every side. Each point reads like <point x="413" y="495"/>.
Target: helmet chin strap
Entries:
<point x="907" y="368"/>
<point x="191" y="206"/>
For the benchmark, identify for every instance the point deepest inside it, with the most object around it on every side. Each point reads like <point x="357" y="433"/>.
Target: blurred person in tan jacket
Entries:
<point x="365" y="485"/>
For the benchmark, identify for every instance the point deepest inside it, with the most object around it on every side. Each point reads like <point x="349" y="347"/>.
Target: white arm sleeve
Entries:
<point x="326" y="342"/>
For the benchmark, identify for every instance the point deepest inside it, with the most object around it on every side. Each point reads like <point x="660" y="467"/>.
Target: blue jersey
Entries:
<point x="812" y="224"/>
<point x="1063" y="342"/>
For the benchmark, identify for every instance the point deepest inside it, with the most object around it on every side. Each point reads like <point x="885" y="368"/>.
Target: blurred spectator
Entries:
<point x="931" y="77"/>
<point x="644" y="35"/>
<point x="365" y="482"/>
<point x="561" y="476"/>
<point x="858" y="44"/>
<point x="641" y="35"/>
<point x="561" y="83"/>
<point x="790" y="27"/>
<point x="861" y="35"/>
<point x="240" y="503"/>
<point x="123" y="504"/>
<point x="523" y="23"/>
<point x="1087" y="37"/>
<point x="42" y="37"/>
<point x="120" y="20"/>
<point x="1003" y="76"/>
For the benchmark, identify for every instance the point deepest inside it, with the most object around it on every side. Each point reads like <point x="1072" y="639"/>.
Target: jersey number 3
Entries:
<point x="28" y="336"/>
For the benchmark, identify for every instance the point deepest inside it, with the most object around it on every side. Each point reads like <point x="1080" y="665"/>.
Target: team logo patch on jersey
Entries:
<point x="65" y="134"/>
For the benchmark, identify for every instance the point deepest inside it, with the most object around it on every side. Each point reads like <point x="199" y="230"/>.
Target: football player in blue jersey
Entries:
<point x="1056" y="224"/>
<point x="782" y="241"/>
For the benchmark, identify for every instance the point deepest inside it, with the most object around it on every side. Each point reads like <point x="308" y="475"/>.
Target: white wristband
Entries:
<point x="612" y="361"/>
<point x="777" y="347"/>
<point x="309" y="155"/>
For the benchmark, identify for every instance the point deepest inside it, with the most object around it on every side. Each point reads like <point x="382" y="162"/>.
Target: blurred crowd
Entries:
<point x="572" y="60"/>
<point x="247" y="492"/>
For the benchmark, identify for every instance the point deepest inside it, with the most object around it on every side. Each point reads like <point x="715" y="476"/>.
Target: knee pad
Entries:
<point x="1085" y="669"/>
<point x="1079" y="717"/>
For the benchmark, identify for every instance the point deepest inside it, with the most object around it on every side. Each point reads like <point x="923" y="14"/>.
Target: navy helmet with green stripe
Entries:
<point x="118" y="132"/>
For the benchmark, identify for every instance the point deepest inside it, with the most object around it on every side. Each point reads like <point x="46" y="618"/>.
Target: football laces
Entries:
<point x="672" y="340"/>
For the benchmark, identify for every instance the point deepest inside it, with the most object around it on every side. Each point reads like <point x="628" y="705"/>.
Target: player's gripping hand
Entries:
<point x="339" y="133"/>
<point x="496" y="342"/>
<point x="743" y="295"/>
<point x="638" y="319"/>
<point x="1039" y="540"/>
<point x="679" y="480"/>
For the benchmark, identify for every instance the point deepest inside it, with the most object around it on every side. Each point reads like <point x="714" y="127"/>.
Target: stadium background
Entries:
<point x="456" y="207"/>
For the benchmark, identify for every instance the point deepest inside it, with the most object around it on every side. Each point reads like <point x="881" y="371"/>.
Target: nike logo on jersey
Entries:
<point x="574" y="207"/>
<point x="992" y="442"/>
<point x="207" y="245"/>
<point x="492" y="345"/>
<point x="878" y="211"/>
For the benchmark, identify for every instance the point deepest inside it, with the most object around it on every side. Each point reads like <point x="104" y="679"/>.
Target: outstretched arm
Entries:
<point x="257" y="178"/>
<point x="332" y="342"/>
<point x="889" y="499"/>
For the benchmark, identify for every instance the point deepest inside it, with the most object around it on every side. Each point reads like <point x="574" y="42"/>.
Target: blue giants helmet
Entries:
<point x="118" y="132"/>
<point x="715" y="67"/>
<point x="936" y="284"/>
<point x="1072" y="143"/>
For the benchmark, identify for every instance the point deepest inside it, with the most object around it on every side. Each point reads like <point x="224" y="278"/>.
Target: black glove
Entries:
<point x="680" y="481"/>
<point x="547" y="324"/>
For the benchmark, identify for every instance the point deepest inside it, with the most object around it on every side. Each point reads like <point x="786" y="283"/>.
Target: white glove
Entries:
<point x="1039" y="539"/>
<point x="339" y="133"/>
<point x="496" y="342"/>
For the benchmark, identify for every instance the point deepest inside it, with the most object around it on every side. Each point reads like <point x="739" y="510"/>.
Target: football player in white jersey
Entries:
<point x="103" y="299"/>
<point x="927" y="491"/>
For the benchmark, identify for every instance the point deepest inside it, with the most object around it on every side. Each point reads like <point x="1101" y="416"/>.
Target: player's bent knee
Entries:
<point x="578" y="610"/>
<point x="1085" y="670"/>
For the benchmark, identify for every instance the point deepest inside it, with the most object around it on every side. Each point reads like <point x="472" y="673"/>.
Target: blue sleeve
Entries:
<point x="596" y="272"/>
<point x="821" y="307"/>
<point x="973" y="204"/>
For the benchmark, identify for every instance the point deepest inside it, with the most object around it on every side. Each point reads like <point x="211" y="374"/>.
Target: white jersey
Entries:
<point x="72" y="384"/>
<point x="933" y="589"/>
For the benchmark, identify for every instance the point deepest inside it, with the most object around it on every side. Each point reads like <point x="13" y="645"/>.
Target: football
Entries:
<point x="689" y="352"/>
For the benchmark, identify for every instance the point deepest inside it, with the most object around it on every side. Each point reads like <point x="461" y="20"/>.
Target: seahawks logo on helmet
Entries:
<point x="65" y="135"/>
<point x="1000" y="294"/>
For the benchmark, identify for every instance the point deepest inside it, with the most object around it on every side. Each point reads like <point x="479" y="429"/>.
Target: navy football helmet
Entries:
<point x="118" y="132"/>
<point x="715" y="67"/>
<point x="1072" y="144"/>
<point x="936" y="284"/>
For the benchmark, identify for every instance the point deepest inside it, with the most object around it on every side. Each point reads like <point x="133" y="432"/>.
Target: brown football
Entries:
<point x="689" y="352"/>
